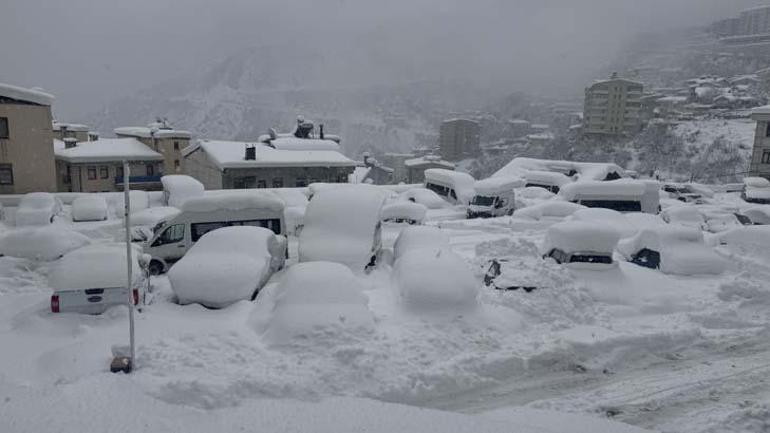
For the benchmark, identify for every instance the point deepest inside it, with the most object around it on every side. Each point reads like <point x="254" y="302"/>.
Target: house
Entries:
<point x="77" y="131"/>
<point x="459" y="139"/>
<point x="415" y="167"/>
<point x="759" y="165"/>
<point x="161" y="137"/>
<point x="612" y="107"/>
<point x="26" y="155"/>
<point x="283" y="162"/>
<point x="97" y="166"/>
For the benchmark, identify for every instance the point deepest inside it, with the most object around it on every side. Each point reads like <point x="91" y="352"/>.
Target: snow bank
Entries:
<point x="37" y="208"/>
<point x="44" y="243"/>
<point x="412" y="238"/>
<point x="750" y="239"/>
<point x="234" y="200"/>
<point x="318" y="298"/>
<point x="140" y="200"/>
<point x="179" y="187"/>
<point x="342" y="226"/>
<point x="579" y="236"/>
<point x="425" y="197"/>
<point x="89" y="208"/>
<point x="550" y="208"/>
<point x="434" y="279"/>
<point x="682" y="250"/>
<point x="607" y="218"/>
<point x="758" y="214"/>
<point x="225" y="265"/>
<point x="94" y="266"/>
<point x="153" y="215"/>
<point x="688" y="216"/>
<point x="404" y="211"/>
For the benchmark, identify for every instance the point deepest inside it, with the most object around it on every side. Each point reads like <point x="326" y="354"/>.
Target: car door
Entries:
<point x="171" y="244"/>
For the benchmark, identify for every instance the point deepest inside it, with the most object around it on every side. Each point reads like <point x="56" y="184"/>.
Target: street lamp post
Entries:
<point x="123" y="362"/>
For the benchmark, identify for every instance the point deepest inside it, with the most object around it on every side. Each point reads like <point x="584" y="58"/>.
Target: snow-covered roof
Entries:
<point x="234" y="200"/>
<point x="598" y="189"/>
<point x="614" y="80"/>
<point x="428" y="160"/>
<point x="494" y="185"/>
<point x="150" y="131"/>
<point x="57" y="126"/>
<point x="764" y="110"/>
<point x="231" y="154"/>
<point x="106" y="150"/>
<point x="290" y="142"/>
<point x="27" y="95"/>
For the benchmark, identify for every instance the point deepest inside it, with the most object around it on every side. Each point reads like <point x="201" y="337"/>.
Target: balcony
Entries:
<point x="139" y="180"/>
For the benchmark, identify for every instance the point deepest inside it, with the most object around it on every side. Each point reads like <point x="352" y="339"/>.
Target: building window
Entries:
<point x="261" y="183"/>
<point x="6" y="174"/>
<point x="767" y="130"/>
<point x="766" y="157"/>
<point x="176" y="145"/>
<point x="119" y="171"/>
<point x="176" y="164"/>
<point x="301" y="182"/>
<point x="277" y="182"/>
<point x="4" y="127"/>
<point x="150" y="170"/>
<point x="104" y="172"/>
<point x="91" y="173"/>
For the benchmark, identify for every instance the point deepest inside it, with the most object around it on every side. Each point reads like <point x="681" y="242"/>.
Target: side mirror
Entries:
<point x="144" y="260"/>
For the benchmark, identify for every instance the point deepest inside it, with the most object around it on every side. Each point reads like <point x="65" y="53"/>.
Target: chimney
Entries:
<point x="70" y="142"/>
<point x="251" y="152"/>
<point x="321" y="131"/>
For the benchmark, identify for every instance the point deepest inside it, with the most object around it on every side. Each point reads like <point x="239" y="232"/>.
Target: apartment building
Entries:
<point x="459" y="139"/>
<point x="612" y="107"/>
<point x="26" y="155"/>
<point x="760" y="155"/>
<point x="161" y="137"/>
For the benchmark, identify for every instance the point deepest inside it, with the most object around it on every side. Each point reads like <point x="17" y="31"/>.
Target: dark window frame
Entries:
<point x="104" y="172"/>
<point x="277" y="182"/>
<point x="5" y="134"/>
<point x="150" y="169"/>
<point x="91" y="173"/>
<point x="766" y="157"/>
<point x="6" y="168"/>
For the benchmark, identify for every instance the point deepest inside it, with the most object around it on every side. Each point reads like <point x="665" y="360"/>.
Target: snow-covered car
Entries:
<point x="719" y="220"/>
<point x="759" y="215"/>
<point x="404" y="212"/>
<point x="316" y="299"/>
<point x="37" y="208"/>
<point x="90" y="207"/>
<point x="92" y="279"/>
<point x="580" y="243"/>
<point x="607" y="218"/>
<point x="41" y="243"/>
<point x="683" y="193"/>
<point x="553" y="209"/>
<point x="756" y="190"/>
<point x="434" y="279"/>
<point x="227" y="265"/>
<point x="674" y="249"/>
<point x="688" y="216"/>
<point x="342" y="225"/>
<point x="412" y="238"/>
<point x="425" y="197"/>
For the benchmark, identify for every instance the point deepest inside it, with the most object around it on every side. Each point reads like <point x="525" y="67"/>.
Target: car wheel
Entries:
<point x="155" y="267"/>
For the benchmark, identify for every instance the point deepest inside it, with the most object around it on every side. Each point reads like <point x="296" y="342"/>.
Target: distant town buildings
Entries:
<point x="161" y="137"/>
<point x="396" y="162"/>
<point x="612" y="107"/>
<point x="26" y="154"/>
<point x="415" y="167"/>
<point x="372" y="171"/>
<point x="459" y="139"/>
<point x="760" y="155"/>
<point x="750" y="22"/>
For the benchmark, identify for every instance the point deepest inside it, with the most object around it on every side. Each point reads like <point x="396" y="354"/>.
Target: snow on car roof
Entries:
<point x="756" y="182"/>
<point x="584" y="170"/>
<point x="457" y="178"/>
<point x="546" y="177"/>
<point x="181" y="182"/>
<point x="37" y="200"/>
<point x="108" y="149"/>
<point x="579" y="236"/>
<point x="596" y="189"/>
<point x="149" y="132"/>
<point x="27" y="95"/>
<point x="94" y="266"/>
<point x="494" y="185"/>
<point x="235" y="200"/>
<point x="231" y="154"/>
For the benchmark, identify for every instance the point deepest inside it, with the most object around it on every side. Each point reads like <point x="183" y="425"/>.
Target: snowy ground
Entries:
<point x="670" y="353"/>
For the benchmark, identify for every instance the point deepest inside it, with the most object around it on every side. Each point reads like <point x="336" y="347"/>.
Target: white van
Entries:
<point x="494" y="197"/>
<point x="454" y="186"/>
<point x="621" y="195"/>
<point x="173" y="237"/>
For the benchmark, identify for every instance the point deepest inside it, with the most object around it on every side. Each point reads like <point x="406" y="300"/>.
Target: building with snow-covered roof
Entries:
<point x="415" y="167"/>
<point x="26" y="156"/>
<point x="236" y="164"/>
<point x="459" y="138"/>
<point x="62" y="130"/>
<point x="97" y="166"/>
<point x="161" y="137"/>
<point x="612" y="107"/>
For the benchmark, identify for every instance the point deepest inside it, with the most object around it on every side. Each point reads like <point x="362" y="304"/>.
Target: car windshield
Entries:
<point x="590" y="258"/>
<point x="481" y="200"/>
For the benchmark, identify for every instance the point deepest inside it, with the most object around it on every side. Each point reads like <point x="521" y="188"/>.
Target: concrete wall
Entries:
<point x="79" y="181"/>
<point x="29" y="148"/>
<point x="171" y="149"/>
<point x="200" y="167"/>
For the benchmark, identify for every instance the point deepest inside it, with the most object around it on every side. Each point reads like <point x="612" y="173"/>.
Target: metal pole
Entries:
<point x="127" y="219"/>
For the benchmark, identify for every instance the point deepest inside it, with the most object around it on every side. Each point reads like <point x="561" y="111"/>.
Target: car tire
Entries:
<point x="155" y="267"/>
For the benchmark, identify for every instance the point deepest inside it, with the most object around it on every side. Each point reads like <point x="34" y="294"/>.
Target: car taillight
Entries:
<point x="135" y="296"/>
<point x="54" y="303"/>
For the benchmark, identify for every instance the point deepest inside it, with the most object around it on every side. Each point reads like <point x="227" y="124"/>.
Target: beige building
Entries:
<point x="612" y="107"/>
<point x="760" y="155"/>
<point x="26" y="156"/>
<point x="459" y="138"/>
<point x="97" y="166"/>
<point x="162" y="138"/>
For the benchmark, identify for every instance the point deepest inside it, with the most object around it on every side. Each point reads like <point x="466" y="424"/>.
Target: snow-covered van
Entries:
<point x="494" y="197"/>
<point x="549" y="180"/>
<point x="756" y="190"/>
<point x="454" y="186"/>
<point x="621" y="195"/>
<point x="173" y="237"/>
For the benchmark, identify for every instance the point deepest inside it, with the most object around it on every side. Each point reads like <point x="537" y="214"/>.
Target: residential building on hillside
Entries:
<point x="760" y="155"/>
<point x="26" y="155"/>
<point x="77" y="131"/>
<point x="284" y="162"/>
<point x="97" y="166"/>
<point x="612" y="107"/>
<point x="459" y="138"/>
<point x="161" y="137"/>
<point x="416" y="167"/>
<point x="754" y="21"/>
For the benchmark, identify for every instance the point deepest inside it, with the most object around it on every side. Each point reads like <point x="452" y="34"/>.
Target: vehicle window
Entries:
<point x="172" y="234"/>
<point x="273" y="224"/>
<point x="590" y="258"/>
<point x="452" y="194"/>
<point x="481" y="200"/>
<point x="199" y="229"/>
<point x="618" y="205"/>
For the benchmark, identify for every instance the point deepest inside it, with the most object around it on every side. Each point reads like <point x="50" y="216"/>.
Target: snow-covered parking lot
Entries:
<point x="626" y="343"/>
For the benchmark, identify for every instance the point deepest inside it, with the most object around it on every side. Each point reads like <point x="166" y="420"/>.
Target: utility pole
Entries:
<point x="122" y="362"/>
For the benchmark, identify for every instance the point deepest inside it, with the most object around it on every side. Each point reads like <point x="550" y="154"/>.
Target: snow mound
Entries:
<point x="225" y="265"/>
<point x="550" y="208"/>
<point x="756" y="182"/>
<point x="434" y="279"/>
<point x="749" y="240"/>
<point x="425" y="197"/>
<point x="45" y="243"/>
<point x="179" y="187"/>
<point x="36" y="209"/>
<point x="318" y="298"/>
<point x="404" y="211"/>
<point x="412" y="238"/>
<point x="140" y="200"/>
<point x="580" y="236"/>
<point x="94" y="266"/>
<point x="758" y="214"/>
<point x="608" y="218"/>
<point x="685" y="215"/>
<point x="153" y="215"/>
<point x="89" y="208"/>
<point x="682" y="250"/>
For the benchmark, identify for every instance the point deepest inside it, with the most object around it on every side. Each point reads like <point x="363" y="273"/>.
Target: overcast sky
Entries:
<point x="88" y="52"/>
